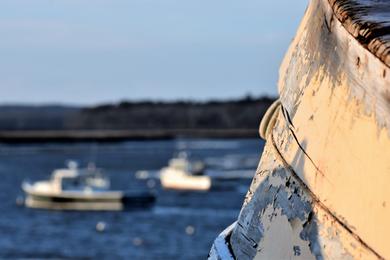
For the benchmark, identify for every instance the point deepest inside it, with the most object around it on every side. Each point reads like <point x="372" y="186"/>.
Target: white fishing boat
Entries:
<point x="80" y="189"/>
<point x="181" y="174"/>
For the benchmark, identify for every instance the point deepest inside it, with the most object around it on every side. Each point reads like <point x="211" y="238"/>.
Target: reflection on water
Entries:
<point x="180" y="225"/>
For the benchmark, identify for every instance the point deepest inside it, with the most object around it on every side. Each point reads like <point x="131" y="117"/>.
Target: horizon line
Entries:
<point x="134" y="101"/>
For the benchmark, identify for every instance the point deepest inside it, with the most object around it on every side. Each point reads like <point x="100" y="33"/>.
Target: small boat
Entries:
<point x="80" y="189"/>
<point x="182" y="174"/>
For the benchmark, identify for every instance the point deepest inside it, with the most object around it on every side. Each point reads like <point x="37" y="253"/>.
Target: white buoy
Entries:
<point x="100" y="226"/>
<point x="190" y="230"/>
<point x="137" y="241"/>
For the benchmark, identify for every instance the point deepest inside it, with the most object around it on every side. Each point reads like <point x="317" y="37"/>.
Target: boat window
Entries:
<point x="71" y="183"/>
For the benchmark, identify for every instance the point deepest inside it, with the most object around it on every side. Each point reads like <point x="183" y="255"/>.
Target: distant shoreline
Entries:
<point x="141" y="120"/>
<point x="65" y="136"/>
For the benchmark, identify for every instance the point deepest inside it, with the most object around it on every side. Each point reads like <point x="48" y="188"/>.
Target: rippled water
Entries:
<point x="181" y="225"/>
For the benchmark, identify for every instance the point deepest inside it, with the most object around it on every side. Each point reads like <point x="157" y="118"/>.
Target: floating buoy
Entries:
<point x="100" y="226"/>
<point x="137" y="241"/>
<point x="190" y="230"/>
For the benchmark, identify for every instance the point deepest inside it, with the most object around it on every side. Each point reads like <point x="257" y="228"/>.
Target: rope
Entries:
<point x="269" y="119"/>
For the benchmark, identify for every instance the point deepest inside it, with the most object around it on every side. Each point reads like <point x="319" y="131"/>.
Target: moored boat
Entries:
<point x="181" y="174"/>
<point x="80" y="189"/>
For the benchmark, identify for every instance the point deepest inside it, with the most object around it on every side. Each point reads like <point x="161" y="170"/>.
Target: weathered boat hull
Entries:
<point x="321" y="188"/>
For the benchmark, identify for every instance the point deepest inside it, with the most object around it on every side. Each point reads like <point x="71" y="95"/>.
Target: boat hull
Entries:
<point x="143" y="200"/>
<point x="321" y="188"/>
<point x="178" y="180"/>
<point x="100" y="201"/>
<point x="60" y="203"/>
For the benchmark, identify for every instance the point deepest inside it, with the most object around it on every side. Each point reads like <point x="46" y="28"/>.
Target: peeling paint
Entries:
<point x="282" y="233"/>
<point x="280" y="205"/>
<point x="321" y="188"/>
<point x="343" y="154"/>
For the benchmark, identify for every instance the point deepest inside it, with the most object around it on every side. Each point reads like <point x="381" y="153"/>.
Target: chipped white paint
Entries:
<point x="281" y="237"/>
<point x="283" y="230"/>
<point x="322" y="182"/>
<point x="338" y="140"/>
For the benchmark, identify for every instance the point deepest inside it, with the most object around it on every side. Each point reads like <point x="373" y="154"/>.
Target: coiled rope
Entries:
<point x="269" y="119"/>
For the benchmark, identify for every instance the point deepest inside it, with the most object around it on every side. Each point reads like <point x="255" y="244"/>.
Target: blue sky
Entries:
<point x="93" y="51"/>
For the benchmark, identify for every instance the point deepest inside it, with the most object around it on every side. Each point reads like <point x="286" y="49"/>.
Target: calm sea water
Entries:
<point x="181" y="225"/>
